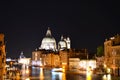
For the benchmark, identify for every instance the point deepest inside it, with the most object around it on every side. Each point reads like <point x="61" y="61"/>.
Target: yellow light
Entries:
<point x="63" y="76"/>
<point x="41" y="73"/>
<point x="108" y="70"/>
<point x="27" y="71"/>
<point x="27" y="79"/>
<point x="105" y="66"/>
<point x="108" y="77"/>
<point x="89" y="74"/>
<point x="63" y="69"/>
<point x="104" y="77"/>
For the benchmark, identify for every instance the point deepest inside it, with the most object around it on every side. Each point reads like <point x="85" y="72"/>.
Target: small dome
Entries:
<point x="21" y="55"/>
<point x="62" y="43"/>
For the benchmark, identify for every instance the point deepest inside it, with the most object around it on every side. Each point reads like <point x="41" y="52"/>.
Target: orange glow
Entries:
<point x="89" y="74"/>
<point x="89" y="77"/>
<point x="27" y="71"/>
<point x="41" y="74"/>
<point x="63" y="70"/>
<point x="27" y="79"/>
<point x="63" y="76"/>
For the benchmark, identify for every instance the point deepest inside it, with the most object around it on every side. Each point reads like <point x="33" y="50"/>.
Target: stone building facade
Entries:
<point x="2" y="57"/>
<point x="49" y="54"/>
<point x="112" y="53"/>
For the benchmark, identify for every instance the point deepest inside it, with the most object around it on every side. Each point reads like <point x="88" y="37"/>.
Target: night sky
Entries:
<point x="87" y="23"/>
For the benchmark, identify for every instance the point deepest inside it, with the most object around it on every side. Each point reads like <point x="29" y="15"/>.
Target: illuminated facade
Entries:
<point x="49" y="54"/>
<point x="74" y="63"/>
<point x="84" y="64"/>
<point x="64" y="43"/>
<point x="49" y="42"/>
<point x="50" y="58"/>
<point x="37" y="58"/>
<point x="112" y="53"/>
<point x="2" y="56"/>
<point x="24" y="61"/>
<point x="64" y="58"/>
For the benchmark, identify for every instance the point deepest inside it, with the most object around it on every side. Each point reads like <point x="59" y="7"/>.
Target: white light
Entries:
<point x="27" y="79"/>
<point x="112" y="38"/>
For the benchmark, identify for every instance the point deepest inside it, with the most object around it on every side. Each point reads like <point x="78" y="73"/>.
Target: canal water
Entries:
<point x="37" y="73"/>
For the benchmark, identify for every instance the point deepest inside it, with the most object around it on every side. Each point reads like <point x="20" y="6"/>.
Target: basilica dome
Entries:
<point x="48" y="42"/>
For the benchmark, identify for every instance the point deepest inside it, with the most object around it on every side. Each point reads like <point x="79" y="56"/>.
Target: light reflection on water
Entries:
<point x="106" y="77"/>
<point x="56" y="75"/>
<point x="41" y="74"/>
<point x="89" y="75"/>
<point x="37" y="73"/>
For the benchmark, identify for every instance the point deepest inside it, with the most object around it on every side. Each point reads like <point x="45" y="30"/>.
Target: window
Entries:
<point x="0" y="42"/>
<point x="0" y="52"/>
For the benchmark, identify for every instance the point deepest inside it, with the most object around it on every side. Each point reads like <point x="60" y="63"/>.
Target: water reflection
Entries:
<point x="27" y="79"/>
<point x="37" y="73"/>
<point x="89" y="74"/>
<point x="41" y="74"/>
<point x="25" y="72"/>
<point x="63" y="76"/>
<point x="56" y="75"/>
<point x="89" y="77"/>
<point x="106" y="77"/>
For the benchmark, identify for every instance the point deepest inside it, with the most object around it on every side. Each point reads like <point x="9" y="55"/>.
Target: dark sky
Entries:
<point x="87" y="23"/>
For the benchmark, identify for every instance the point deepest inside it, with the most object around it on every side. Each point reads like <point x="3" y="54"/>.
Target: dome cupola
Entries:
<point x="48" y="42"/>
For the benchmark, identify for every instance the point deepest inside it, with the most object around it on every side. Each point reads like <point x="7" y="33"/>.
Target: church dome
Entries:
<point x="48" y="42"/>
<point x="62" y="44"/>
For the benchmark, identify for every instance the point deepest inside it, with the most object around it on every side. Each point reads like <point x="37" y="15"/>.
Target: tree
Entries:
<point x="100" y="51"/>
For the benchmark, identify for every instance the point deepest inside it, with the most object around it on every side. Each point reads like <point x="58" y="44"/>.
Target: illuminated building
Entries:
<point x="64" y="58"/>
<point x="2" y="56"/>
<point x="48" y="42"/>
<point x="99" y="62"/>
<point x="21" y="55"/>
<point x="112" y="53"/>
<point x="73" y="63"/>
<point x="84" y="64"/>
<point x="64" y="43"/>
<point x="53" y="55"/>
<point x="68" y="42"/>
<point x="49" y="54"/>
<point x="23" y="60"/>
<point x="37" y="58"/>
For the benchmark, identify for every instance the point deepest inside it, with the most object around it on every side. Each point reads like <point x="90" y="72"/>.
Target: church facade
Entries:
<point x="51" y="53"/>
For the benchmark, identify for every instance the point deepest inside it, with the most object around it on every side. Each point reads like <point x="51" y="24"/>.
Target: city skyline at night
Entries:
<point x="87" y="24"/>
